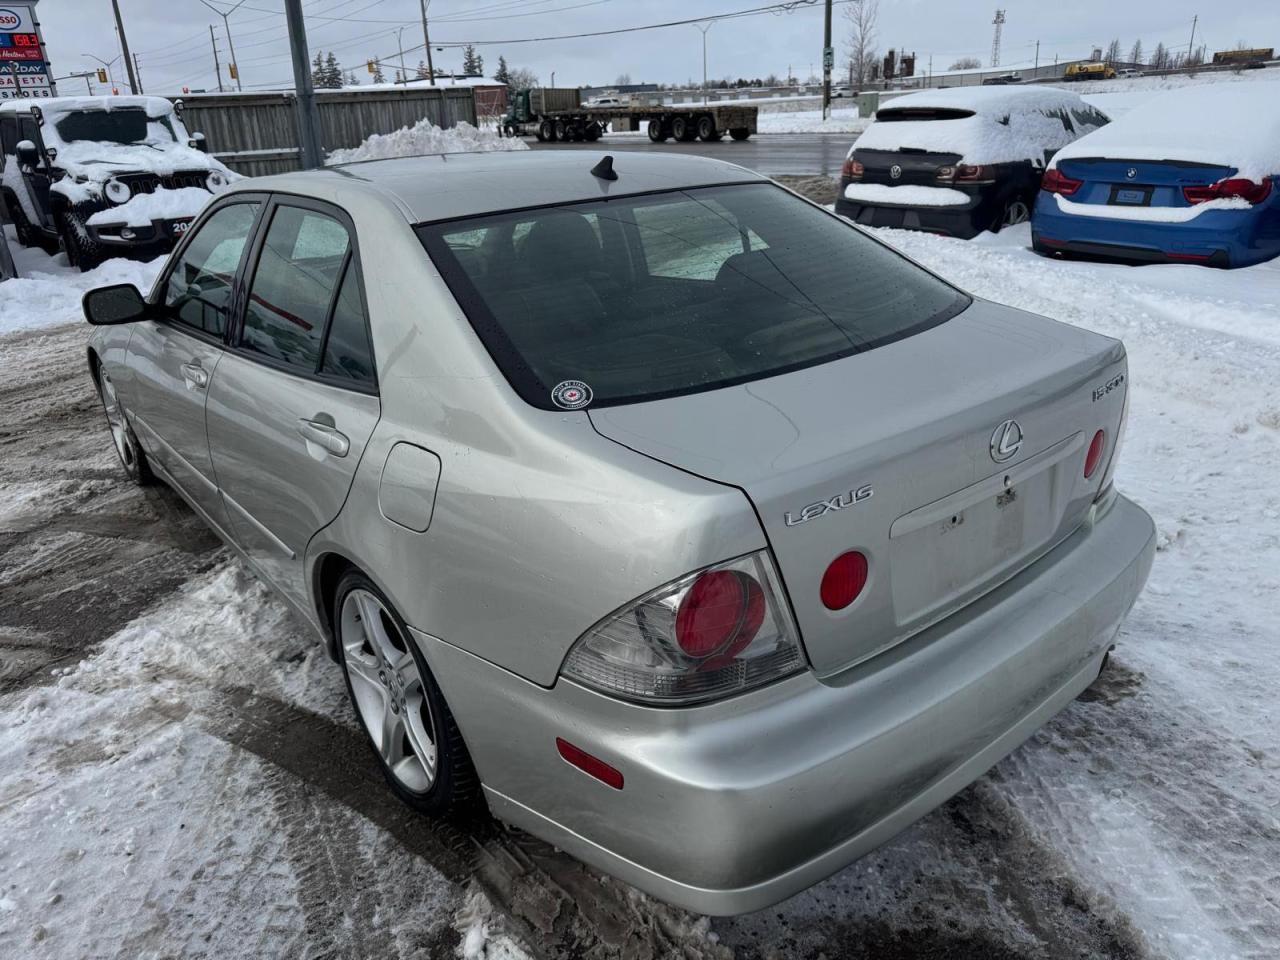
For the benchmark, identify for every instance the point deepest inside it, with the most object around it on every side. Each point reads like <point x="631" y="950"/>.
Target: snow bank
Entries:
<point x="908" y="194"/>
<point x="1236" y="126"/>
<point x="810" y="121"/>
<point x="139" y="211"/>
<point x="47" y="293"/>
<point x="1008" y="123"/>
<point x="425" y="138"/>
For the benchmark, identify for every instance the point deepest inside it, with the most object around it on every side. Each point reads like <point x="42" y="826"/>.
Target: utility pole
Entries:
<point x="138" y="73"/>
<point x="226" y="25"/>
<point x="124" y="46"/>
<point x="217" y="68"/>
<point x="426" y="38"/>
<point x="1191" y="43"/>
<point x="1037" y="70"/>
<point x="828" y="61"/>
<point x="308" y="116"/>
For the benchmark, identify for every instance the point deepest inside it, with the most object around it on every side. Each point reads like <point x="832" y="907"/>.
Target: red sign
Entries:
<point x="20" y="53"/>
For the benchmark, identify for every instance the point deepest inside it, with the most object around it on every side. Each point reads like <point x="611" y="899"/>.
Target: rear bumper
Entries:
<point x="1218" y="238"/>
<point x="734" y="806"/>
<point x="963" y="221"/>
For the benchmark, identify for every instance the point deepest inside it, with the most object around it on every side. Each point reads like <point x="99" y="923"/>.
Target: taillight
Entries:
<point x="975" y="173"/>
<point x="1108" y="475"/>
<point x="707" y="635"/>
<point x="1235" y="188"/>
<point x="844" y="580"/>
<point x="1094" y="457"/>
<point x="852" y="169"/>
<point x="1056" y="182"/>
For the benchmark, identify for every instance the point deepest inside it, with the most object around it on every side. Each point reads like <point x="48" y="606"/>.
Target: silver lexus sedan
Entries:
<point x="674" y="518"/>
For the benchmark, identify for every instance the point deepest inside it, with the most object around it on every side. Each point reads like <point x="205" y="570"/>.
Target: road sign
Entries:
<point x="22" y="53"/>
<point x="828" y="58"/>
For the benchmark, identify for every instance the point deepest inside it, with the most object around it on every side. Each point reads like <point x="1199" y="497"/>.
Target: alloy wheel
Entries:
<point x="119" y="428"/>
<point x="387" y="686"/>
<point x="1016" y="212"/>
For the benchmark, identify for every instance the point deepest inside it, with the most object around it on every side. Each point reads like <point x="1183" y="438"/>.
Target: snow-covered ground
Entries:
<point x="183" y="777"/>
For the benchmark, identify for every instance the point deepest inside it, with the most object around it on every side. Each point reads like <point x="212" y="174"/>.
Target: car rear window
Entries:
<point x="890" y="114"/>
<point x="651" y="296"/>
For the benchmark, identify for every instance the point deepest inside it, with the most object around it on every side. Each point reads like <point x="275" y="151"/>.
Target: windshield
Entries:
<point x="128" y="126"/>
<point x="657" y="295"/>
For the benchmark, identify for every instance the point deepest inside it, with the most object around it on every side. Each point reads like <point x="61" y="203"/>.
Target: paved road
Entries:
<point x="801" y="154"/>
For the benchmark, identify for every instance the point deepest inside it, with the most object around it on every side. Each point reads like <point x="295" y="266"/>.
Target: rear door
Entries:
<point x="295" y="398"/>
<point x="172" y="359"/>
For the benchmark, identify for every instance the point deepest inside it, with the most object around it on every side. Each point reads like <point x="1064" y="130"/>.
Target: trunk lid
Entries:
<point x="913" y="422"/>
<point x="1149" y="183"/>
<point x="918" y="167"/>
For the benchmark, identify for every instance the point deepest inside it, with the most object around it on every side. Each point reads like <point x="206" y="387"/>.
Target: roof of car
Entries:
<point x="447" y="186"/>
<point x="987" y="100"/>
<point x="155" y="106"/>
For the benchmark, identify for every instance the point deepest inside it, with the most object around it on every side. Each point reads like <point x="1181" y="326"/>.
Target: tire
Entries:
<point x="547" y="131"/>
<point x="739" y="133"/>
<point x="658" y="131"/>
<point x="425" y="759"/>
<point x="593" y="132"/>
<point x="684" y="129"/>
<point x="27" y="234"/>
<point x="561" y="129"/>
<point x="576" y="132"/>
<point x="1014" y="212"/>
<point x="82" y="250"/>
<point x="132" y="457"/>
<point x="707" y="131"/>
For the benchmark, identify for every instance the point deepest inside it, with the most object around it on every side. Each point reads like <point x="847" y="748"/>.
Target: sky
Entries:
<point x="171" y="37"/>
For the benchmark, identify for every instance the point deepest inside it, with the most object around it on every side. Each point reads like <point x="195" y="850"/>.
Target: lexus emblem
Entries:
<point x="1131" y="172"/>
<point x="895" y="171"/>
<point x="1006" y="440"/>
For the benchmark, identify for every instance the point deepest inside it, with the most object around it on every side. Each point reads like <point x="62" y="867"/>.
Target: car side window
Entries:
<point x="347" y="354"/>
<point x="293" y="287"/>
<point x="198" y="290"/>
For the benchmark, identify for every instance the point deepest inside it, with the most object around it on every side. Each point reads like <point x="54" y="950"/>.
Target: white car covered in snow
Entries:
<point x="102" y="176"/>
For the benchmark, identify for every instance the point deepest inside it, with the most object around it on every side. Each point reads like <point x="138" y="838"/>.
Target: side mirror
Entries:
<point x="119" y="303"/>
<point x="27" y="154"/>
<point x="198" y="141"/>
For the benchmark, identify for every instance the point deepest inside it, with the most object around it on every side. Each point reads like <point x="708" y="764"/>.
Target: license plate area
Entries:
<point x="1131" y="196"/>
<point x="944" y="553"/>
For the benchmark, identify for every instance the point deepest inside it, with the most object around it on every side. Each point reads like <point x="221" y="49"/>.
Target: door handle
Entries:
<point x="324" y="435"/>
<point x="195" y="375"/>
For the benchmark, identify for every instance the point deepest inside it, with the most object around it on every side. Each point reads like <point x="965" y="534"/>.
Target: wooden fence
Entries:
<point x="256" y="134"/>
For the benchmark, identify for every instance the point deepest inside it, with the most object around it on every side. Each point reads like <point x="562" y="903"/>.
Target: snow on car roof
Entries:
<point x="1232" y="125"/>
<point x="155" y="106"/>
<point x="1008" y="124"/>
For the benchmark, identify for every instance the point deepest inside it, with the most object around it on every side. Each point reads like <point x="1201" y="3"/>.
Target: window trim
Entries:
<point x="155" y="298"/>
<point x="235" y="326"/>
<point x="515" y="369"/>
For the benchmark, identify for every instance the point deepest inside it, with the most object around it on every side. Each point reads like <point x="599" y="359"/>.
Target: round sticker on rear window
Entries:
<point x="571" y="395"/>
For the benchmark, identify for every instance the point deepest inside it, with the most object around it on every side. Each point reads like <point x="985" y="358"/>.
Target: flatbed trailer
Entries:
<point x="557" y="114"/>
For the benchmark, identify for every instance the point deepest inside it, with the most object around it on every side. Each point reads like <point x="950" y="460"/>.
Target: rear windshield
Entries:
<point x="890" y="114"/>
<point x="111" y="126"/>
<point x="652" y="296"/>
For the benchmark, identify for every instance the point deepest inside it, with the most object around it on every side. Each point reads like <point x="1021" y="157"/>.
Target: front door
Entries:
<point x="295" y="399"/>
<point x="172" y="360"/>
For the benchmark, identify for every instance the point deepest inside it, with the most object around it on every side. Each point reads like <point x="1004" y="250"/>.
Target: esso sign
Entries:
<point x="9" y="20"/>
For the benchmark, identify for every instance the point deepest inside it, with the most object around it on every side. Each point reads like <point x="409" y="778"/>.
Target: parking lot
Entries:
<point x="184" y="776"/>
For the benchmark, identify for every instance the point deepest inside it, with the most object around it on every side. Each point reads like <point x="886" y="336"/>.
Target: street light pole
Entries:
<point x="404" y="74"/>
<point x="106" y="64"/>
<point x="226" y="26"/>
<point x="828" y="61"/>
<point x="426" y="39"/>
<point x="308" y="116"/>
<point x="704" y="28"/>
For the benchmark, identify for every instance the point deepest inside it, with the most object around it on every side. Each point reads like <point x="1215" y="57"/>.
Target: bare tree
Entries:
<point x="624" y="80"/>
<point x="1113" y="51"/>
<point x="861" y="44"/>
<point x="522" y="78"/>
<point x="1135" y="54"/>
<point x="1159" y="58"/>
<point x="966" y="63"/>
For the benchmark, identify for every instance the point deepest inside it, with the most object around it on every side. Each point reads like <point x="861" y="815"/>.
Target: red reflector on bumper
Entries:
<point x="589" y="764"/>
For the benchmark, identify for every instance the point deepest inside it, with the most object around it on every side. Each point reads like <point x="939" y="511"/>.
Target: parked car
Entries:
<point x="959" y="161"/>
<point x="1003" y="80"/>
<point x="1129" y="73"/>
<point x="1187" y="177"/>
<point x="843" y="90"/>
<point x="102" y="176"/>
<point x="711" y="562"/>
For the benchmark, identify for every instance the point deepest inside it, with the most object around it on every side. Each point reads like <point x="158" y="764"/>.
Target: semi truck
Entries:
<point x="558" y="113"/>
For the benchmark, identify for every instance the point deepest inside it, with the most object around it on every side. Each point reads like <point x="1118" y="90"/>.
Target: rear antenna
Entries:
<point x="604" y="169"/>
